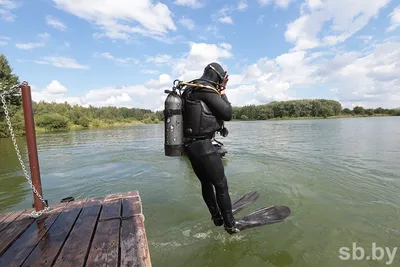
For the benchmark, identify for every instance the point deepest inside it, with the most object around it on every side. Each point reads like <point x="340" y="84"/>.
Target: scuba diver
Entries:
<point x="206" y="107"/>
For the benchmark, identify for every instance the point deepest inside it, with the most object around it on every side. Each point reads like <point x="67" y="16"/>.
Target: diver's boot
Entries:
<point x="231" y="230"/>
<point x="218" y="221"/>
<point x="229" y="226"/>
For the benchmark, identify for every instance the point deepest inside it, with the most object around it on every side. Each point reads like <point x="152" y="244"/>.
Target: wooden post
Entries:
<point x="31" y="140"/>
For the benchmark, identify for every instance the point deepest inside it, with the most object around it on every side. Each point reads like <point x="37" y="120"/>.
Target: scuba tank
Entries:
<point x="173" y="123"/>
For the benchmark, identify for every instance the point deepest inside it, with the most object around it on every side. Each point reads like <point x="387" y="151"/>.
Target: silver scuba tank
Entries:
<point x="173" y="124"/>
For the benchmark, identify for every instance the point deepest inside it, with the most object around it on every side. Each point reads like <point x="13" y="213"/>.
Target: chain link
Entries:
<point x="8" y="91"/>
<point x="34" y="214"/>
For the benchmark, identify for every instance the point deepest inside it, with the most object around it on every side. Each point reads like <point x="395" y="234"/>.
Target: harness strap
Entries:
<point x="200" y="85"/>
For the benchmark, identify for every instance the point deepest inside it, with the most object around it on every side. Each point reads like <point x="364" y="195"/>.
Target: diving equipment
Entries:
<point x="173" y="123"/>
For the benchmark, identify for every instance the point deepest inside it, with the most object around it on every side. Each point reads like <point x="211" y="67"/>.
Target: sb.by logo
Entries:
<point x="358" y="253"/>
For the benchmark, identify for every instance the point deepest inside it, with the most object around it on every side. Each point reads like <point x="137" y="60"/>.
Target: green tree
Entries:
<point x="13" y="100"/>
<point x="369" y="111"/>
<point x="347" y="111"/>
<point x="7" y="80"/>
<point x="358" y="110"/>
<point x="53" y="121"/>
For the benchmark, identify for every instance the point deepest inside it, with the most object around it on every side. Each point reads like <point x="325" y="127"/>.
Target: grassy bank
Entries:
<point x="95" y="124"/>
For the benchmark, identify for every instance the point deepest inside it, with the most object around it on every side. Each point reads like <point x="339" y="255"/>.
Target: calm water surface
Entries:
<point x="341" y="178"/>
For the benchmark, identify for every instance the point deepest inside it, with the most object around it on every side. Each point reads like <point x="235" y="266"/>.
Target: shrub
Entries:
<point x="53" y="121"/>
<point x="83" y="121"/>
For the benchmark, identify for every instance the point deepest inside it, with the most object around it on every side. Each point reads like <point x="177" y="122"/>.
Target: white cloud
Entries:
<point x="366" y="38"/>
<point x="394" y="19"/>
<point x="44" y="35"/>
<point x="6" y="6"/>
<point x="159" y="59"/>
<point x="371" y="77"/>
<point x="64" y="62"/>
<point x="4" y="40"/>
<point x="60" y="62"/>
<point x="224" y="15"/>
<point x="148" y="96"/>
<point x="32" y="45"/>
<point x="189" y="3"/>
<point x="215" y="31"/>
<point x="271" y="79"/>
<point x="55" y="88"/>
<point x="163" y="81"/>
<point x="55" y="23"/>
<point x="242" y="5"/>
<point x="192" y="65"/>
<point x="54" y="92"/>
<point x="304" y="31"/>
<point x="29" y="46"/>
<point x="260" y="19"/>
<point x="125" y="19"/>
<point x="226" y="19"/>
<point x="122" y="61"/>
<point x="149" y="71"/>
<point x="226" y="46"/>
<point x="188" y="23"/>
<point x="279" y="3"/>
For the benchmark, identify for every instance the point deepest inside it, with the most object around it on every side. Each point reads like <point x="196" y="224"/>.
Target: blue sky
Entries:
<point x="125" y="53"/>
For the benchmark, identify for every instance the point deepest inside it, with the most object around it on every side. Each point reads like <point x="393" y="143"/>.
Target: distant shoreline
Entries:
<point x="75" y="127"/>
<point x="120" y="124"/>
<point x="103" y="125"/>
<point x="315" y="118"/>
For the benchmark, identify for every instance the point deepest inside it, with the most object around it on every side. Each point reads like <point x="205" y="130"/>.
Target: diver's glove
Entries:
<point x="224" y="132"/>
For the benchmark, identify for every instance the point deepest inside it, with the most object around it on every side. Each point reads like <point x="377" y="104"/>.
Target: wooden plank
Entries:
<point x="47" y="249"/>
<point x="111" y="210"/>
<point x="105" y="246"/>
<point x="4" y="216"/>
<point x="131" y="194"/>
<point x="104" y="250"/>
<point x="14" y="229"/>
<point x="134" y="246"/>
<point x="77" y="245"/>
<point x="112" y="197"/>
<point x="23" y="246"/>
<point x="131" y="207"/>
<point x="7" y="221"/>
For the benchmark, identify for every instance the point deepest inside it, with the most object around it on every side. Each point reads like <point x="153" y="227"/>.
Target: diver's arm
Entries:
<point x="219" y="105"/>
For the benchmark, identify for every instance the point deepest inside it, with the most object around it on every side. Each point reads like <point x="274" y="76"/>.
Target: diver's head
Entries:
<point x="214" y="73"/>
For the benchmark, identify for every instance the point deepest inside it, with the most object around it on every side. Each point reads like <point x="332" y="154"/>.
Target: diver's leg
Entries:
<point x="215" y="171"/>
<point x="209" y="198"/>
<point x="196" y="155"/>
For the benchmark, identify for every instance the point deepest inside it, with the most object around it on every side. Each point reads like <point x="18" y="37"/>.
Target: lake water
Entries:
<point x="340" y="177"/>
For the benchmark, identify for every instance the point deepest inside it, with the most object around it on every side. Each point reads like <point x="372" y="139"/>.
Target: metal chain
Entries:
<point x="8" y="91"/>
<point x="34" y="214"/>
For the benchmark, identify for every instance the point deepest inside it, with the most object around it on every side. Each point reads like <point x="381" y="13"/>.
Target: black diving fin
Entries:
<point x="263" y="216"/>
<point x="245" y="201"/>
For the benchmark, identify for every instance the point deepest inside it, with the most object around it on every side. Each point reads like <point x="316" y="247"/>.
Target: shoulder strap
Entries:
<point x="200" y="85"/>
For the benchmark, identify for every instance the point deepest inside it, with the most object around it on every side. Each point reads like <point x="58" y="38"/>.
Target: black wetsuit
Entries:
<point x="205" y="159"/>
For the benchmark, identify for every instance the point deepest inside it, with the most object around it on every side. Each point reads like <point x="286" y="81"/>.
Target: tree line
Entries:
<point x="63" y="116"/>
<point x="304" y="108"/>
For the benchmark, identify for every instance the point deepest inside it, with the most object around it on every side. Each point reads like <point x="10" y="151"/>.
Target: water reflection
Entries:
<point x="14" y="186"/>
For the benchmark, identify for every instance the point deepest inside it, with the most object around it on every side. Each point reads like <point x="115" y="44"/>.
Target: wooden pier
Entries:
<point x="100" y="231"/>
